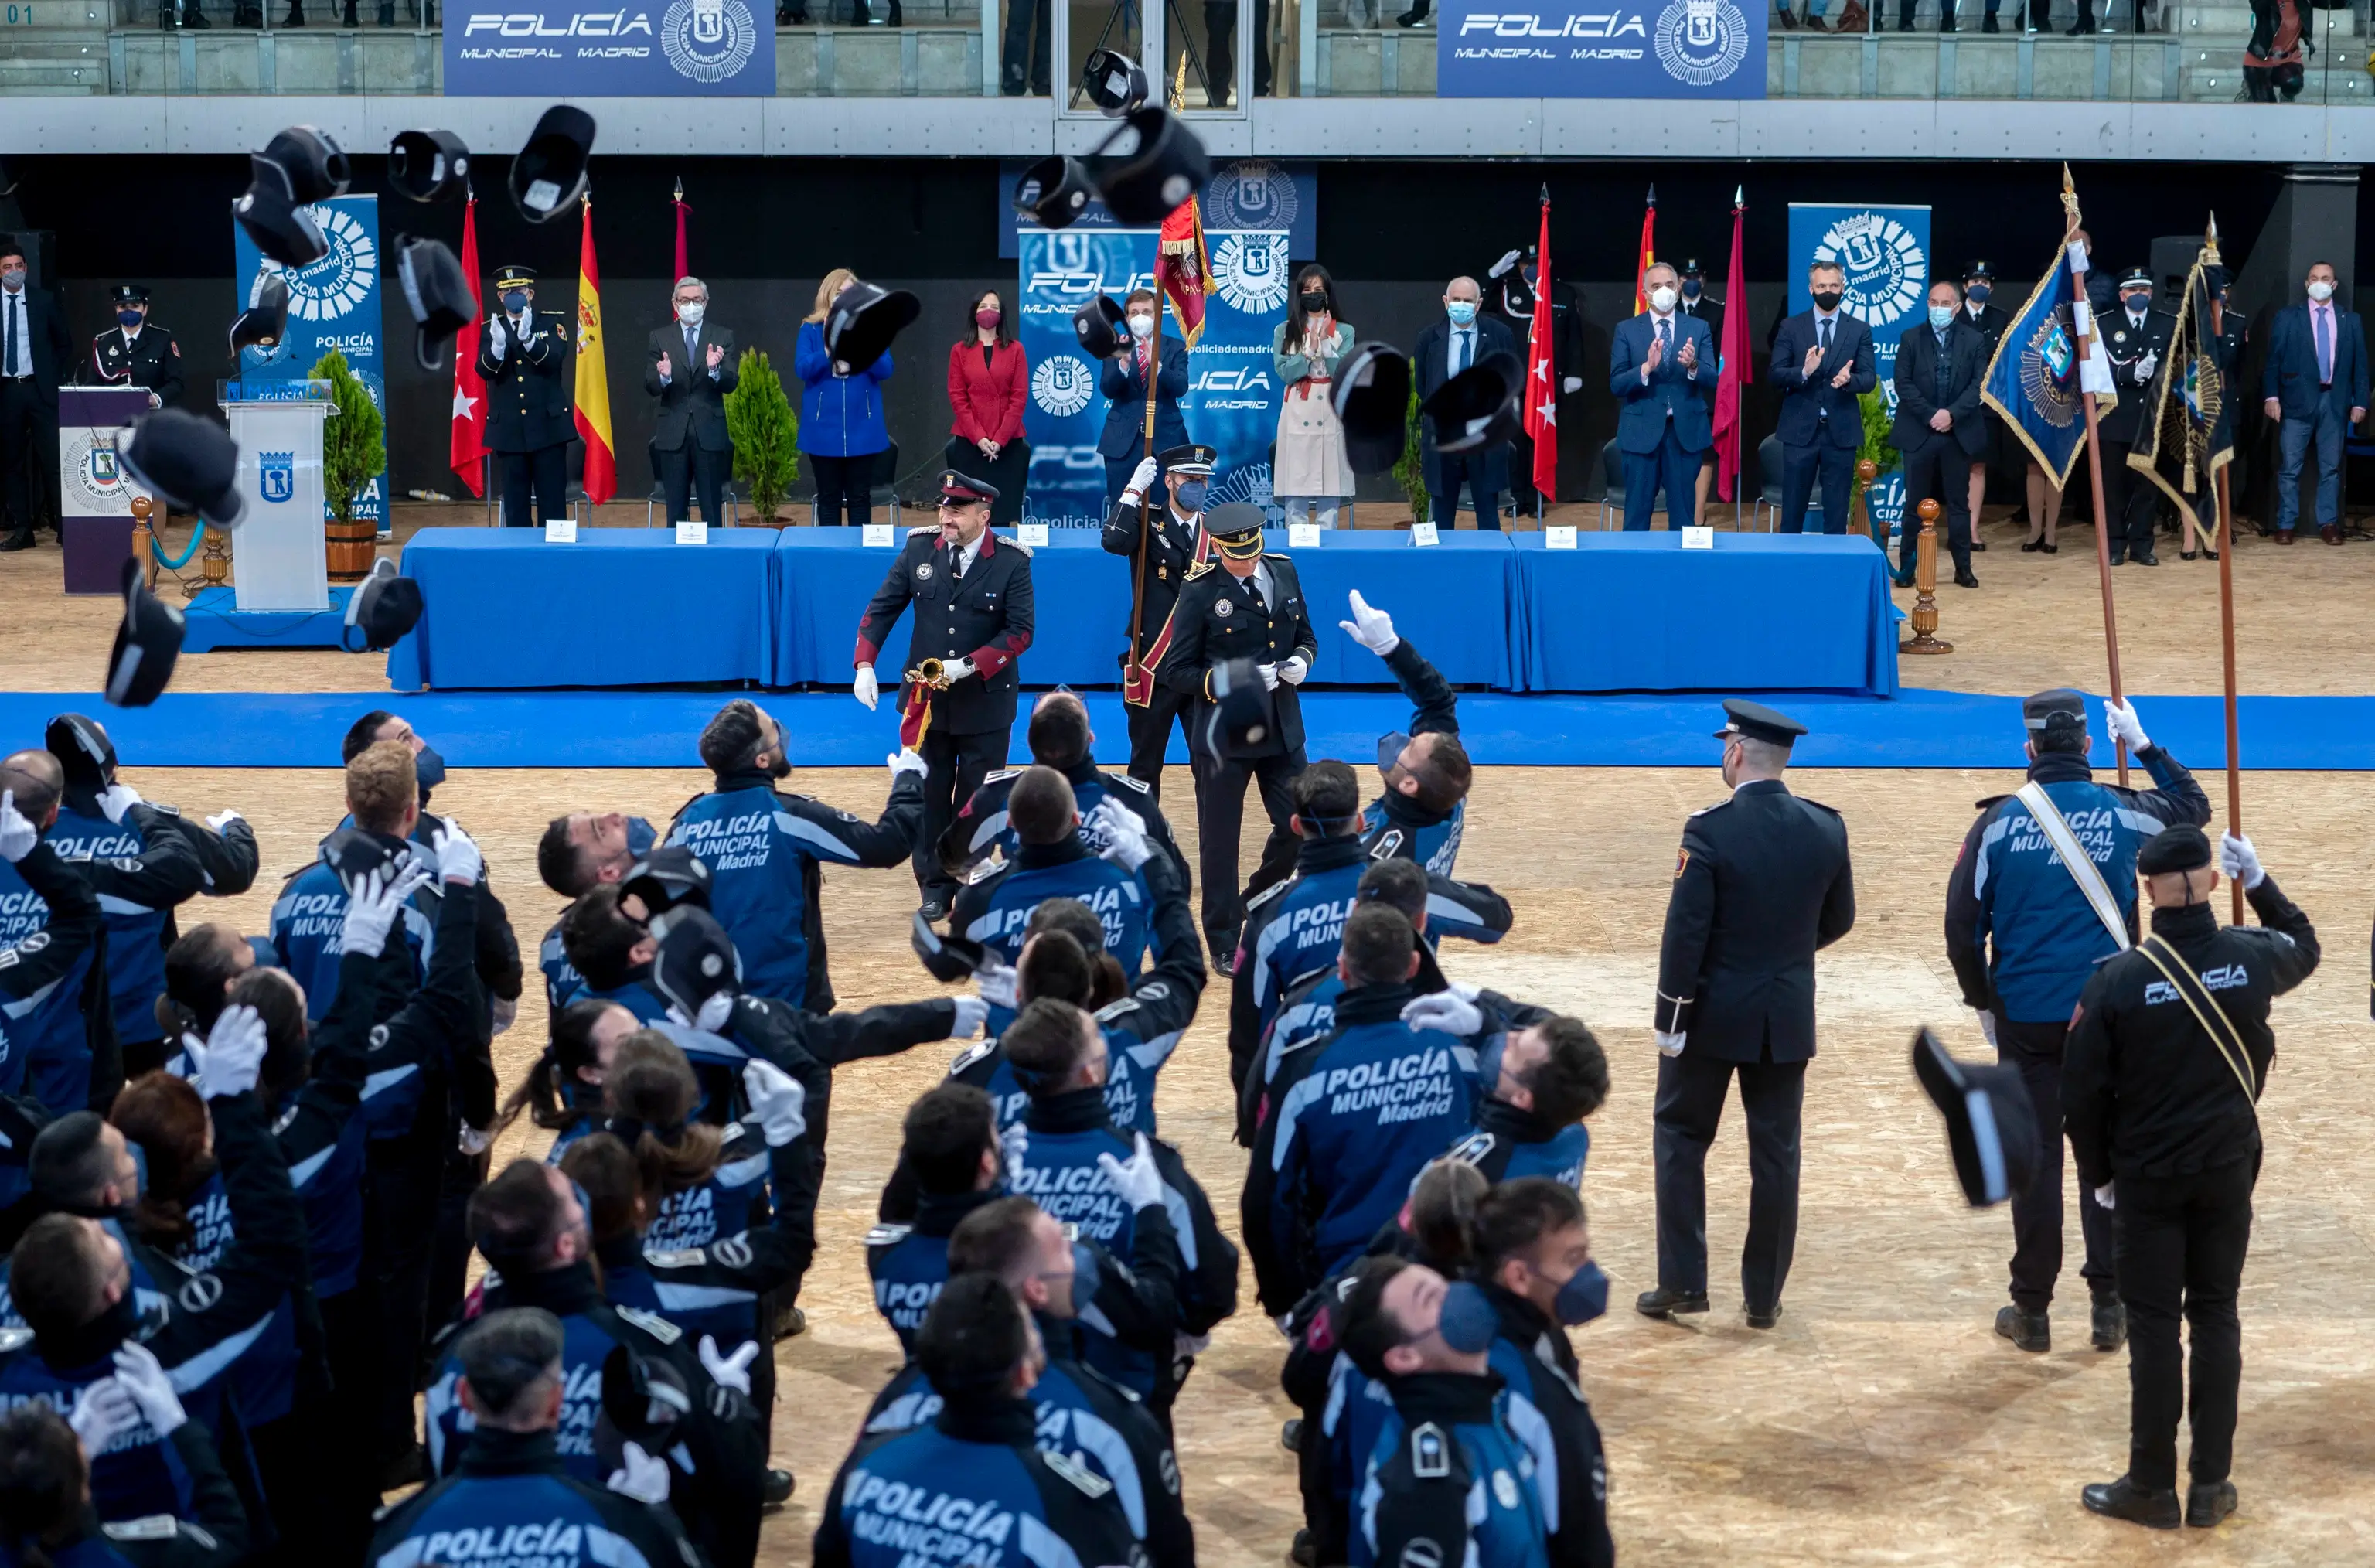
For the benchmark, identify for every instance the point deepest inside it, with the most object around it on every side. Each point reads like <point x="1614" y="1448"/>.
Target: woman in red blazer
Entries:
<point x="987" y="382"/>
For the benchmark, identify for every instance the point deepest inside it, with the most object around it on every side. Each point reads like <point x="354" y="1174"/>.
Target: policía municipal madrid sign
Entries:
<point x="550" y="48"/>
<point x="1664" y="49"/>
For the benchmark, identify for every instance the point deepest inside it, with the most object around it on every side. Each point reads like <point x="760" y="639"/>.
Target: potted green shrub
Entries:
<point x="354" y="452"/>
<point x="766" y="434"/>
<point x="1410" y="472"/>
<point x="1884" y="501"/>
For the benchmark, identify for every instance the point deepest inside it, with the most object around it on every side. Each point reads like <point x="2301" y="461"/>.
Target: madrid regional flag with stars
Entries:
<point x="1542" y="375"/>
<point x="469" y="451"/>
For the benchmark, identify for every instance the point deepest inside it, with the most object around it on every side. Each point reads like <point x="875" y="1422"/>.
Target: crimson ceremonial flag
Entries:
<point x="1182" y="269"/>
<point x="683" y="263"/>
<point x="1736" y="364"/>
<point x="1648" y="251"/>
<point x="468" y="457"/>
<point x="1541" y="371"/>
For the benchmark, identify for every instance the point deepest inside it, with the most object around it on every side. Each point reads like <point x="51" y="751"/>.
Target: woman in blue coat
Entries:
<point x="841" y="414"/>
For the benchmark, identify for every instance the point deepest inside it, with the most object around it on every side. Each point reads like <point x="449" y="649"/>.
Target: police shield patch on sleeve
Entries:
<point x="1471" y="1149"/>
<point x="1422" y="1552"/>
<point x="200" y="1292"/>
<point x="733" y="1252"/>
<point x="1090" y="1483"/>
<point x="1430" y="1454"/>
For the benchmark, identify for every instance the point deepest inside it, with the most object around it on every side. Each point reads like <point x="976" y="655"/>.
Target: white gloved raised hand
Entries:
<point x="2240" y="861"/>
<point x="222" y="819"/>
<point x="458" y="860"/>
<point x="641" y="1476"/>
<point x="1373" y="629"/>
<point x="1293" y="670"/>
<point x="2106" y="1196"/>
<point x="957" y="669"/>
<point x="1987" y="1029"/>
<point x="1669" y="1045"/>
<point x="778" y="1103"/>
<point x="1014" y="1143"/>
<point x="498" y="337"/>
<point x="1140" y="478"/>
<point x="1446" y="1011"/>
<point x="103" y="1411"/>
<point x="995" y="985"/>
<point x="906" y="759"/>
<point x="116" y="799"/>
<point x="1124" y="831"/>
<point x="863" y="688"/>
<point x="234" y="1054"/>
<point x="972" y="1012"/>
<point x="1137" y="1181"/>
<point x="2120" y="719"/>
<point x="473" y="1141"/>
<point x="374" y="907"/>
<point x="1509" y="260"/>
<point x="17" y="834"/>
<point x="729" y="1372"/>
<point x="151" y="1388"/>
<point x="1571" y="383"/>
<point x="1269" y="674"/>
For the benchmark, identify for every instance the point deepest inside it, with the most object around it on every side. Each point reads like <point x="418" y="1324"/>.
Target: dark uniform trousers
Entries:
<point x="2036" y="1050"/>
<point x="1150" y="737"/>
<point x="1940" y="470"/>
<point x="958" y="764"/>
<point x="1690" y="1090"/>
<point x="2132" y="501"/>
<point x="1220" y="823"/>
<point x="536" y="486"/>
<point x="693" y="472"/>
<point x="2182" y="1239"/>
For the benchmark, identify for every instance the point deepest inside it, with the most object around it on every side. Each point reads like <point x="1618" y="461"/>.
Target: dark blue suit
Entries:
<point x="1662" y="419"/>
<point x="1821" y="426"/>
<point x="2314" y="405"/>
<point x="1124" y="441"/>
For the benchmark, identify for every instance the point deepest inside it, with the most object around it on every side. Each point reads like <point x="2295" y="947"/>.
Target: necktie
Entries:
<point x="692" y="348"/>
<point x="1665" y="338"/>
<point x="1464" y="355"/>
<point x="9" y="348"/>
<point x="2324" y="347"/>
<point x="1142" y="360"/>
<point x="1826" y="331"/>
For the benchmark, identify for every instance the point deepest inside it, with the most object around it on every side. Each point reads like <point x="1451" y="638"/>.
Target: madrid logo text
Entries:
<point x="708" y="40"/>
<point x="1527" y="24"/>
<point x="1701" y="42"/>
<point x="341" y="280"/>
<point x="1887" y="273"/>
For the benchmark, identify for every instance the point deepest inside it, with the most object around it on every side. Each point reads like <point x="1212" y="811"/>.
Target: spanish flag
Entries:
<point x="592" y="413"/>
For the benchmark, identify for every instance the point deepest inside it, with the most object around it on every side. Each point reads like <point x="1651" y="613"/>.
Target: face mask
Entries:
<point x="266" y="956"/>
<point x="1942" y="316"/>
<point x="1583" y="1297"/>
<point x="430" y="768"/>
<point x="1390" y="751"/>
<point x="1314" y="303"/>
<point x="1191" y="495"/>
<point x="139" y="1152"/>
<point x="1661" y="300"/>
<point x="516" y="302"/>
<point x="1488" y="1063"/>
<point x="1979" y="293"/>
<point x="2136" y="303"/>
<point x="1692" y="289"/>
<point x="2320" y="292"/>
<point x="12" y="278"/>
<point x="1828" y="300"/>
<point x="1141" y="326"/>
<point x="1086" y="1277"/>
<point x="641" y="836"/>
<point x="691" y="314"/>
<point x="1468" y="1321"/>
<point x="1462" y="312"/>
<point x="987" y="320"/>
<point x="130" y="318"/>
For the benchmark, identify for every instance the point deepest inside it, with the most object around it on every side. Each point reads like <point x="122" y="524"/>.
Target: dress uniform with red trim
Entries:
<point x="136" y="351"/>
<point x="525" y="355"/>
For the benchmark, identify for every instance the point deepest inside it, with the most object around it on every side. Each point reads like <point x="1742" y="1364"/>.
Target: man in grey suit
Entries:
<point x="690" y="371"/>
<point x="1940" y="365"/>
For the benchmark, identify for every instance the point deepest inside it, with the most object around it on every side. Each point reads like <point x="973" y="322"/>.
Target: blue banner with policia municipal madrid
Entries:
<point x="1704" y="49"/>
<point x="1884" y="251"/>
<point x="559" y="49"/>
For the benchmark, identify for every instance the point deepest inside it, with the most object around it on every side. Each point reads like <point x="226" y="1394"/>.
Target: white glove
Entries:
<point x="2120" y="719"/>
<point x="1270" y="677"/>
<point x="223" y="819"/>
<point x="972" y="1012"/>
<point x="1571" y="383"/>
<point x="1464" y="991"/>
<point x="498" y="339"/>
<point x="458" y="860"/>
<point x="1987" y="1029"/>
<point x="1136" y="1179"/>
<point x="997" y="986"/>
<point x="373" y="908"/>
<point x="1507" y="261"/>
<point x="957" y="669"/>
<point x="116" y="799"/>
<point x="1293" y="670"/>
<point x="863" y="688"/>
<point x="473" y="1141"/>
<point x="234" y="1054"/>
<point x="640" y="1476"/>
<point x="729" y="1372"/>
<point x="2240" y="861"/>
<point x="138" y="1369"/>
<point x="2145" y="366"/>
<point x="1669" y="1045"/>
<point x="2106" y="1196"/>
<point x="1015" y="1144"/>
<point x="17" y="834"/>
<point x="1140" y="478"/>
<point x="906" y="759"/>
<point x="1373" y="629"/>
<point x="506" y="1013"/>
<point x="102" y="1412"/>
<point x="1124" y="831"/>
<point x="1444" y="1011"/>
<point x="714" y="1012"/>
<point x="778" y="1101"/>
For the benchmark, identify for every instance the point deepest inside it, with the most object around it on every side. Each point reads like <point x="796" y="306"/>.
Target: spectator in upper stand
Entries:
<point x="842" y="432"/>
<point x="990" y="377"/>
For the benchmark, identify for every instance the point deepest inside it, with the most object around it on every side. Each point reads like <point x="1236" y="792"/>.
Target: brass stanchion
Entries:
<point x="1866" y="472"/>
<point x="213" y="563"/>
<point x="1925" y="588"/>
<point x="144" y="541"/>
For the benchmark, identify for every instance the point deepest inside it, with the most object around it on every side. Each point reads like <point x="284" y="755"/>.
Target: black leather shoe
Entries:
<point x="1964" y="579"/>
<point x="2031" y="547"/>
<point x="1225" y="954"/>
<point x="2119" y="557"/>
<point x="20" y="541"/>
<point x="2144" y="558"/>
<point x="1765" y="1319"/>
<point x="1664" y="1303"/>
<point x="934" y="907"/>
<point x="2209" y="554"/>
<point x="1990" y="24"/>
<point x="2123" y="1499"/>
<point x="1979" y="546"/>
<point x="1304" y="1551"/>
<point x="2110" y="1324"/>
<point x="1290" y="1434"/>
<point x="775" y="1489"/>
<point x="2206" y="1502"/>
<point x="790" y="1322"/>
<point x="2031" y="1331"/>
<point x="2189" y="555"/>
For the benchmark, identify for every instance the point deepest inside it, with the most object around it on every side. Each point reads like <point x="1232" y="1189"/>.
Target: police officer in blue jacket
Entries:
<point x="976" y="1473"/>
<point x="1060" y="737"/>
<point x="1426" y="772"/>
<point x="578" y="852"/>
<point x="510" y="1486"/>
<point x="1540" y="1076"/>
<point x="763" y="848"/>
<point x="2025" y="935"/>
<point x="949" y="1152"/>
<point x="51" y="927"/>
<point x="1052" y="861"/>
<point x="1083" y="1416"/>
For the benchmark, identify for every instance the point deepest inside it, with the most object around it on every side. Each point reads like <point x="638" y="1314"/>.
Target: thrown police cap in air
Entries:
<point x="129" y="293"/>
<point x="696" y="958"/>
<point x="666" y="875"/>
<point x="862" y="319"/>
<point x="1194" y="459"/>
<point x="146" y="644"/>
<point x="1237" y="529"/>
<point x="276" y="220"/>
<point x="1244" y="714"/>
<point x="965" y="489"/>
<point x="316" y="168"/>
<point x="644" y="1398"/>
<point x="550" y="172"/>
<point x="83" y="750"/>
<point x="1371" y="392"/>
<point x="2059" y="709"/>
<point x="265" y="319"/>
<point x="438" y="293"/>
<point x="1755" y="721"/>
<point x="1101" y="327"/>
<point x="1115" y="83"/>
<point x="1478" y="407"/>
<point x="1054" y="191"/>
<point x="427" y="165"/>
<point x="2184" y="847"/>
<point x="951" y="958"/>
<point x="1991" y="1122"/>
<point x="354" y="855"/>
<point x="1149" y="164"/>
<point x="190" y="463"/>
<point x="383" y="608"/>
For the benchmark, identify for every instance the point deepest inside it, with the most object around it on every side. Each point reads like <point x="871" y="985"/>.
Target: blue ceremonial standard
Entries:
<point x="556" y="49"/>
<point x="1704" y="49"/>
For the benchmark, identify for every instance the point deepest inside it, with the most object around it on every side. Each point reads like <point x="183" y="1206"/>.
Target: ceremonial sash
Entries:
<point x="2207" y="1013"/>
<point x="2074" y="859"/>
<point x="1138" y="689"/>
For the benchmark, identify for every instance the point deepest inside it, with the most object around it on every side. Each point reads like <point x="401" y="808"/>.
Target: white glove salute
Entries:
<point x="729" y="1372"/>
<point x="234" y="1054"/>
<point x="458" y="860"/>
<point x="778" y="1103"/>
<point x="1124" y="831"/>
<point x="224" y="818"/>
<point x="997" y="986"/>
<point x="17" y="834"/>
<point x="640" y="1475"/>
<point x="138" y="1369"/>
<point x="1444" y="1011"/>
<point x="116" y="799"/>
<point x="1293" y="670"/>
<point x="1270" y="677"/>
<point x="102" y="1412"/>
<point x="1373" y="629"/>
<point x="2120" y="719"/>
<point x="2240" y="861"/>
<point x="1669" y="1045"/>
<point x="863" y="688"/>
<point x="1140" y="478"/>
<point x="1508" y="259"/>
<point x="957" y="669"/>
<point x="374" y="907"/>
<point x="906" y="759"/>
<point x="1136" y="1179"/>
<point x="1015" y="1144"/>
<point x="473" y="1141"/>
<point x="972" y="1013"/>
<point x="498" y="339"/>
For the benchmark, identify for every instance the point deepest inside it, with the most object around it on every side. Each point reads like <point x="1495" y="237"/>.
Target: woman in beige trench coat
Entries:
<point x="1310" y="475"/>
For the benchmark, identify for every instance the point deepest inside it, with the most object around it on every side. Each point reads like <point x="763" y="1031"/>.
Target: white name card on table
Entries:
<point x="1423" y="535"/>
<point x="1302" y="535"/>
<point x="878" y="536"/>
<point x="561" y="530"/>
<point x="1031" y="534"/>
<point x="693" y="531"/>
<point x="1699" y="538"/>
<point x="1558" y="537"/>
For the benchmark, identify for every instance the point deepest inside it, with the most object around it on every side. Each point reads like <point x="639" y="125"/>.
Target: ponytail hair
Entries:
<point x="1091" y="980"/>
<point x="42" y="1472"/>
<point x="652" y="1095"/>
<point x="199" y="968"/>
<point x="167" y="1119"/>
<point x="546" y="1093"/>
<point x="612" y="1179"/>
<point x="1441" y="1216"/>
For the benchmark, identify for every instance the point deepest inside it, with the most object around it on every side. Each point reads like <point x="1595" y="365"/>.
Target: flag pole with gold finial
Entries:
<point x="2226" y="541"/>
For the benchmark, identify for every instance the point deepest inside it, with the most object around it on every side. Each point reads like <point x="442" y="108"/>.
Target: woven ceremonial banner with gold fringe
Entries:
<point x="2186" y="436"/>
<point x="2034" y="379"/>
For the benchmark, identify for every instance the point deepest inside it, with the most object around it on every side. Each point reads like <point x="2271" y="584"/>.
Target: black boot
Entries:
<point x="295" y="16"/>
<point x="2031" y="1331"/>
<point x="387" y="13"/>
<point x="348" y="18"/>
<point x="23" y="539"/>
<point x="194" y="20"/>
<point x="2206" y="1502"/>
<point x="165" y="17"/>
<point x="2123" y="1499"/>
<point x="2110" y="1313"/>
<point x="1662" y="1303"/>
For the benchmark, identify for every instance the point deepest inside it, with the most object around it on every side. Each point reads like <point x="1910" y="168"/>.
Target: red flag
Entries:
<point x="683" y="265"/>
<point x="1181" y="271"/>
<point x="593" y="411"/>
<point x="1737" y="362"/>
<point x="469" y="448"/>
<point x="1541" y="372"/>
<point x="1648" y="251"/>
